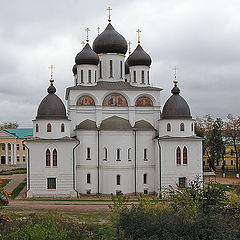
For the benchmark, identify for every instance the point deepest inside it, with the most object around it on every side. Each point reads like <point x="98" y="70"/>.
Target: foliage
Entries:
<point x="9" y="125"/>
<point x="3" y="217"/>
<point x="13" y="171"/>
<point x="4" y="182"/>
<point x="18" y="189"/>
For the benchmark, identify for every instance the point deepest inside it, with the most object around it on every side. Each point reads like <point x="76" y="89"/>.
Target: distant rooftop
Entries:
<point x="20" y="133"/>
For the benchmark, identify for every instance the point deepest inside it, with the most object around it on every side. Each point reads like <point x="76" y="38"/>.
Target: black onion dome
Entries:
<point x="176" y="107"/>
<point x="51" y="107"/>
<point x="139" y="57"/>
<point x="87" y="56"/>
<point x="110" y="41"/>
<point x="74" y="69"/>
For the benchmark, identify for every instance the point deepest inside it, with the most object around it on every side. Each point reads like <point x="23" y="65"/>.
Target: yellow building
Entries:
<point x="12" y="150"/>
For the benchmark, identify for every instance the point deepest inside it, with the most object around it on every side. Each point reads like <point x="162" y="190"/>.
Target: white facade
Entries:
<point x="114" y="139"/>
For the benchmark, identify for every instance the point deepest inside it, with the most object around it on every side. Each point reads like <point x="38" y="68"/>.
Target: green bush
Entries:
<point x="13" y="171"/>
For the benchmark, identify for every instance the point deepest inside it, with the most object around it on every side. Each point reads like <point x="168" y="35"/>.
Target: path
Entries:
<point x="16" y="180"/>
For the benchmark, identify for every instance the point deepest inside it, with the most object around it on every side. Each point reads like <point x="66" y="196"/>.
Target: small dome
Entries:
<point x="126" y="68"/>
<point x="87" y="56"/>
<point x="110" y="41"/>
<point x="176" y="107"/>
<point x="74" y="69"/>
<point x="139" y="57"/>
<point x="51" y="107"/>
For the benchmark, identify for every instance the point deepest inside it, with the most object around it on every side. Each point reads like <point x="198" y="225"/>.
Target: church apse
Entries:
<point x="115" y="100"/>
<point x="85" y="101"/>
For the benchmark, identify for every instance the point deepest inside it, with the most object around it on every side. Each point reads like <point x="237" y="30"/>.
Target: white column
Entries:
<point x="12" y="153"/>
<point x="6" y="153"/>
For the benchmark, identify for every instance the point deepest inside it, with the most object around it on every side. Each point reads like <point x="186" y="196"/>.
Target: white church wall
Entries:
<point x="85" y="78"/>
<point x="142" y="75"/>
<point x="39" y="172"/>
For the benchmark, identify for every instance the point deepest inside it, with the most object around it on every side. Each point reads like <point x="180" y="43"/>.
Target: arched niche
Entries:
<point x="144" y="101"/>
<point x="115" y="100"/>
<point x="85" y="101"/>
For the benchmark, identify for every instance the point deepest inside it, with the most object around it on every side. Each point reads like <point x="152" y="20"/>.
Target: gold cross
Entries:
<point x="129" y="44"/>
<point x="98" y="30"/>
<point x="175" y="75"/>
<point x="109" y="14"/>
<point x="83" y="44"/>
<point x="51" y="79"/>
<point x="138" y="31"/>
<point x="87" y="30"/>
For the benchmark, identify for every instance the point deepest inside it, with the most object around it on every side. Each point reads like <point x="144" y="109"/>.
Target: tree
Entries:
<point x="8" y="125"/>
<point x="232" y="132"/>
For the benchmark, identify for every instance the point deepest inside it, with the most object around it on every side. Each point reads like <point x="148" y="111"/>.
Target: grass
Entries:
<point x="18" y="189"/>
<point x="14" y="171"/>
<point x="4" y="182"/>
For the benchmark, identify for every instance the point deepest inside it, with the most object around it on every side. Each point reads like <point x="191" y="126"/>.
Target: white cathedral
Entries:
<point x="114" y="137"/>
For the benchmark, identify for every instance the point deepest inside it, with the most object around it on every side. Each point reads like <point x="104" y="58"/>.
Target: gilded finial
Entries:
<point x="175" y="81"/>
<point x="83" y="44"/>
<point x="109" y="14"/>
<point x="87" y="30"/>
<point x="138" y="31"/>
<point x="98" y="28"/>
<point x="51" y="79"/>
<point x="129" y="44"/>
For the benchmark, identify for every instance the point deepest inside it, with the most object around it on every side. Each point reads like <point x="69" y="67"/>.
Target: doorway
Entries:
<point x="3" y="160"/>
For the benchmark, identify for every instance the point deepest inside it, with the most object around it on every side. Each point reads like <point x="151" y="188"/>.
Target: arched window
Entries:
<point x="81" y="76"/>
<point x="37" y="128"/>
<point x="144" y="102"/>
<point x="105" y="153"/>
<point x="62" y="127"/>
<point x="111" y="68"/>
<point x="169" y="127"/>
<point x="148" y="78"/>
<point x="182" y="127"/>
<point x="95" y="76"/>
<point x="121" y="69"/>
<point x="54" y="157"/>
<point x="145" y="154"/>
<point x="88" y="153"/>
<point x="118" y="154"/>
<point x="134" y="76"/>
<point x="100" y="69"/>
<point x="88" y="178"/>
<point x="178" y="155"/>
<point x="129" y="154"/>
<point x="115" y="100"/>
<point x="49" y="127"/>
<point x="142" y="77"/>
<point x="89" y="76"/>
<point x="144" y="178"/>
<point x="118" y="180"/>
<point x="85" y="101"/>
<point x="184" y="155"/>
<point x="48" y="158"/>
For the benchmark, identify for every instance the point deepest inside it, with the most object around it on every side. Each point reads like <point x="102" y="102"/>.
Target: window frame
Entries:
<point x="49" y="127"/>
<point x="111" y="68"/>
<point x="54" y="158"/>
<point x="118" y="154"/>
<point x="169" y="127"/>
<point x="62" y="127"/>
<point x="118" y="180"/>
<point x="178" y="156"/>
<point x="142" y="77"/>
<point x="145" y="178"/>
<point x="182" y="127"/>
<point x="51" y="183"/>
<point x="145" y="158"/>
<point x="89" y="76"/>
<point x="129" y="154"/>
<point x="134" y="76"/>
<point x="81" y="76"/>
<point x="182" y="182"/>
<point x="100" y="69"/>
<point x="185" y="155"/>
<point x="105" y="154"/>
<point x="48" y="158"/>
<point x="88" y="178"/>
<point x="121" y="69"/>
<point x="37" y="128"/>
<point x="88" y="152"/>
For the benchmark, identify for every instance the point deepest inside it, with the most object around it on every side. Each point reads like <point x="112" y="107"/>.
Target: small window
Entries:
<point x="62" y="127"/>
<point x="88" y="153"/>
<point x="182" y="127"/>
<point x="134" y="76"/>
<point x="143" y="77"/>
<point x="51" y="183"/>
<point x="9" y="147"/>
<point x="95" y="76"/>
<point x="145" y="154"/>
<point x="55" y="158"/>
<point x="23" y="148"/>
<point x="88" y="178"/>
<point x="49" y="127"/>
<point x="148" y="82"/>
<point x="144" y="178"/>
<point x="105" y="154"/>
<point x="129" y="154"/>
<point x="192" y="127"/>
<point x="3" y="147"/>
<point x="18" y="147"/>
<point x="178" y="155"/>
<point x="18" y="159"/>
<point x="89" y="76"/>
<point x="182" y="182"/>
<point x="145" y="191"/>
<point x="100" y="69"/>
<point x="9" y="158"/>
<point x="184" y="155"/>
<point x="118" y="180"/>
<point x="81" y="76"/>
<point x="118" y="154"/>
<point x="37" y="128"/>
<point x="48" y="158"/>
<point x="24" y="159"/>
<point x="121" y="69"/>
<point x="111" y="68"/>
<point x="88" y="192"/>
<point x="169" y="127"/>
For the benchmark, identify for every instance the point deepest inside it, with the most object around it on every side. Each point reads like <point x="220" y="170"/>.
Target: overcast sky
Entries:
<point x="200" y="37"/>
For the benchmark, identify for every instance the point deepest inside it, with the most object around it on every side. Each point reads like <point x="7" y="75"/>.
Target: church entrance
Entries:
<point x="3" y="160"/>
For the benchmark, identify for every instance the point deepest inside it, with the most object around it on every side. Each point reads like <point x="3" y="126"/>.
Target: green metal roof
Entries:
<point x="20" y="133"/>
